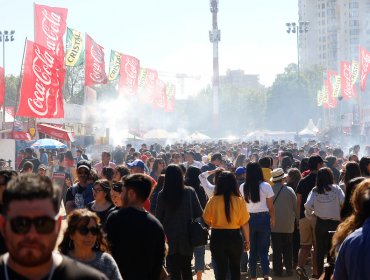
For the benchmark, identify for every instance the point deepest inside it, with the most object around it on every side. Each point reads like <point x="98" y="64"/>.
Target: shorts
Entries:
<point x="307" y="231"/>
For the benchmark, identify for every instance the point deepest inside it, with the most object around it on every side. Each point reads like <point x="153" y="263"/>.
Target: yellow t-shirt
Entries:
<point x="214" y="212"/>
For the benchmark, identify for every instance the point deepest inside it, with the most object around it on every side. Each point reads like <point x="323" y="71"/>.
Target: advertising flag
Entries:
<point x="50" y="26"/>
<point x="94" y="63"/>
<point x="348" y="89"/>
<point x="364" y="60"/>
<point x="319" y="98"/>
<point x="114" y="65"/>
<point x="2" y="86"/>
<point x="74" y="46"/>
<point x="170" y="94"/>
<point x="355" y="71"/>
<point x="160" y="98"/>
<point x="43" y="78"/>
<point x="129" y="75"/>
<point x="329" y="101"/>
<point x="148" y="84"/>
<point x="333" y="83"/>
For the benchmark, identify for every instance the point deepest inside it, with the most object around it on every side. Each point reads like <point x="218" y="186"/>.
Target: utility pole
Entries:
<point x="215" y="37"/>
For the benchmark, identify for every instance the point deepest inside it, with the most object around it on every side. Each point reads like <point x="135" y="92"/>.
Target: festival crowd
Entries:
<point x="146" y="213"/>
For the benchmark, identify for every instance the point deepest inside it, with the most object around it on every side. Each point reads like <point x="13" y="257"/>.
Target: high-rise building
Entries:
<point x="237" y="78"/>
<point x="337" y="28"/>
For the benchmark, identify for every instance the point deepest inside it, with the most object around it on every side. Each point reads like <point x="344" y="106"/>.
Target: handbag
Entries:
<point x="198" y="231"/>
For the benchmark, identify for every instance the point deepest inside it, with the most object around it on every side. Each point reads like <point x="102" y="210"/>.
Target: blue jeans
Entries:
<point x="260" y="229"/>
<point x="199" y="262"/>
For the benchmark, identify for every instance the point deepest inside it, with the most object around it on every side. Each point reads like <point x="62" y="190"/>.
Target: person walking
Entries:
<point x="285" y="204"/>
<point x="258" y="195"/>
<point x="226" y="213"/>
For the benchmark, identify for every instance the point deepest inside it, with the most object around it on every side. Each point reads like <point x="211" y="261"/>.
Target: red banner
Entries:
<point x="160" y="98"/>
<point x="50" y="26"/>
<point x="2" y="86"/>
<point x="364" y="67"/>
<point x="348" y="89"/>
<point x="94" y="63"/>
<point x="41" y="91"/>
<point x="148" y="84"/>
<point x="129" y="75"/>
<point x="170" y="97"/>
<point x="331" y="101"/>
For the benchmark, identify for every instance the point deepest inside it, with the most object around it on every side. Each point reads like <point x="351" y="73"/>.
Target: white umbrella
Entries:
<point x="159" y="134"/>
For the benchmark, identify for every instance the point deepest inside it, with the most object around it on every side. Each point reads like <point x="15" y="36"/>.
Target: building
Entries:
<point x="336" y="29"/>
<point x="237" y="78"/>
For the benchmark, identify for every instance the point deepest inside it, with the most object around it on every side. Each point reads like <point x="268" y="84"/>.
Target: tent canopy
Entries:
<point x="309" y="130"/>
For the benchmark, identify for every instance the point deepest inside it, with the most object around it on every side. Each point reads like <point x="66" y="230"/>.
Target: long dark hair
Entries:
<point x="364" y="162"/>
<point x="173" y="186"/>
<point x="324" y="180"/>
<point x="347" y="208"/>
<point x="192" y="177"/>
<point x="78" y="218"/>
<point x="352" y="170"/>
<point x="252" y="182"/>
<point x="227" y="186"/>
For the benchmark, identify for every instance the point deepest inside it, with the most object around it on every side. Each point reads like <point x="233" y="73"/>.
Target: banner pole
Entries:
<point x="19" y="84"/>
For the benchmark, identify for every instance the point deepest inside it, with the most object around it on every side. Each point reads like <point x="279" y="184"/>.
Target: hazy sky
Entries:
<point x="172" y="35"/>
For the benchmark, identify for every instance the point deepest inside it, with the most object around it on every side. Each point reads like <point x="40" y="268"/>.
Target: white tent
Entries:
<point x="197" y="136"/>
<point x="309" y="130"/>
<point x="160" y="134"/>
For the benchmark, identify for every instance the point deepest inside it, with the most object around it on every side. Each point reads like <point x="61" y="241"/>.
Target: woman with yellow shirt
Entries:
<point x="226" y="212"/>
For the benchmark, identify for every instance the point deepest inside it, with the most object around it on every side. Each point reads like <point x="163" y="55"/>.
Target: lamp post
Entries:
<point x="301" y="27"/>
<point x="5" y="36"/>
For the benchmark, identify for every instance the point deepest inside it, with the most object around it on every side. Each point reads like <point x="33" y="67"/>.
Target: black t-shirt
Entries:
<point x="103" y="215"/>
<point x="84" y="195"/>
<point x="304" y="188"/>
<point x="137" y="243"/>
<point x="68" y="269"/>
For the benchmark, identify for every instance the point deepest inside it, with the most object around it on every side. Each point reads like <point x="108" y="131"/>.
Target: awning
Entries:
<point x="21" y="135"/>
<point x="56" y="132"/>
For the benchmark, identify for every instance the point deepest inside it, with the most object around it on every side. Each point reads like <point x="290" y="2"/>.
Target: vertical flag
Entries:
<point x="333" y="83"/>
<point x="2" y="86"/>
<point x="74" y="46"/>
<point x="129" y="75"/>
<point x="148" y="84"/>
<point x="43" y="78"/>
<point x="94" y="63"/>
<point x="170" y="92"/>
<point x="364" y="60"/>
<point x="355" y="71"/>
<point x="348" y="89"/>
<point x="330" y="101"/>
<point x="160" y="98"/>
<point x="320" y="100"/>
<point x="114" y="65"/>
<point x="50" y="26"/>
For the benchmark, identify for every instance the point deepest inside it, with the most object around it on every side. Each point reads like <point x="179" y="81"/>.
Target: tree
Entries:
<point x="11" y="90"/>
<point x="73" y="90"/>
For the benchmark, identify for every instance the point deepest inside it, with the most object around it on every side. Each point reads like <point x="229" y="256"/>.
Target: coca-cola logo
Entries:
<point x="131" y="70"/>
<point x="46" y="84"/>
<point x="50" y="24"/>
<point x="97" y="74"/>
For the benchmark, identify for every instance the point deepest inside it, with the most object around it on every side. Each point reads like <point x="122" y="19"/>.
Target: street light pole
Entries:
<point x="297" y="29"/>
<point x="5" y="36"/>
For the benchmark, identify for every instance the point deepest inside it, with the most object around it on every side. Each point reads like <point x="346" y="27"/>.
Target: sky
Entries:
<point x="171" y="36"/>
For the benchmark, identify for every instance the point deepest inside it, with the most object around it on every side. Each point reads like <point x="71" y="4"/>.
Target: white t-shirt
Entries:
<point x="261" y="206"/>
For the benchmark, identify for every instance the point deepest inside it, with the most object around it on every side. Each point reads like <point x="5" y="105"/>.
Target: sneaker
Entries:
<point x="301" y="272"/>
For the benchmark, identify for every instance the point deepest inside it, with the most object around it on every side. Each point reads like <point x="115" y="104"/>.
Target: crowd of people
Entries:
<point x="130" y="214"/>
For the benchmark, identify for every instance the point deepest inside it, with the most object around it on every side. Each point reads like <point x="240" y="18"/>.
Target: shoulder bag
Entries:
<point x="198" y="231"/>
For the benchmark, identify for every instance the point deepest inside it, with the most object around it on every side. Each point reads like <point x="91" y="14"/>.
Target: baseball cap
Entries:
<point x="314" y="160"/>
<point x="42" y="166"/>
<point x="240" y="170"/>
<point x="84" y="164"/>
<point x="136" y="163"/>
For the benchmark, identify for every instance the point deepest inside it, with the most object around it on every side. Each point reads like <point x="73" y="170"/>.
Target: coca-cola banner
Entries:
<point x="170" y="97"/>
<point x="148" y="84"/>
<point x="129" y="75"/>
<point x="95" y="64"/>
<point x="50" y="26"/>
<point x="2" y="86"/>
<point x="160" y="98"/>
<point x="364" y="67"/>
<point x="41" y="91"/>
<point x="347" y="86"/>
<point x="330" y="101"/>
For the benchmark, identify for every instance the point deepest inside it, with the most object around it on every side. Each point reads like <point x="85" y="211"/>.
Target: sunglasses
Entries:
<point x="85" y="230"/>
<point x="117" y="188"/>
<point x="43" y="225"/>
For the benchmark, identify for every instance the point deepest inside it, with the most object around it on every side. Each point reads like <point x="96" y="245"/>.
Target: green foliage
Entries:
<point x="11" y="90"/>
<point x="73" y="90"/>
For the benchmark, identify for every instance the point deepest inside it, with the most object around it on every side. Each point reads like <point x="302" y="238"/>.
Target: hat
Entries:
<point x="27" y="165"/>
<point x="42" y="166"/>
<point x="136" y="163"/>
<point x="277" y="174"/>
<point x="240" y="170"/>
<point x="84" y="164"/>
<point x="144" y="158"/>
<point x="314" y="160"/>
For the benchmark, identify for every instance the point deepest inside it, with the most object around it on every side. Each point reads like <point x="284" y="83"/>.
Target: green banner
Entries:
<point x="114" y="65"/>
<point x="74" y="45"/>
